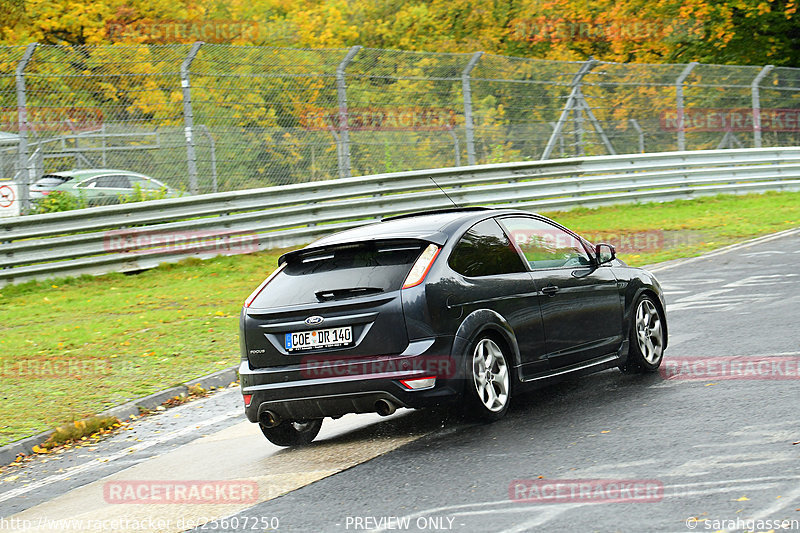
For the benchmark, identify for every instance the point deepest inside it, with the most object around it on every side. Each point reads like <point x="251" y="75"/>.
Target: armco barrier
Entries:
<point x="130" y="237"/>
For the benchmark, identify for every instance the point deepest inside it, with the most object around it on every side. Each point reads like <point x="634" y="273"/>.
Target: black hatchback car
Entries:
<point x="465" y="305"/>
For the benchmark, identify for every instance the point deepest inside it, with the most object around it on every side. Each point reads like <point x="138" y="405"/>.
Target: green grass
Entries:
<point x="122" y="337"/>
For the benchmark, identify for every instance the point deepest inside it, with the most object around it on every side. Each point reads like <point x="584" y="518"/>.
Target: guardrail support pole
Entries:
<point x="23" y="177"/>
<point x="570" y="105"/>
<point x="188" y="117"/>
<point x="679" y="104"/>
<point x="466" y="89"/>
<point x="341" y="96"/>
<point x="757" y="104"/>
<point x="640" y="133"/>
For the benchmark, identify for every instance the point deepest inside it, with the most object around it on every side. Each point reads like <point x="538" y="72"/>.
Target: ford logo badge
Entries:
<point x="314" y="320"/>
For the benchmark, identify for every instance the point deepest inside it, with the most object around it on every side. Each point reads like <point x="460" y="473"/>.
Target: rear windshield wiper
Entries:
<point x="338" y="294"/>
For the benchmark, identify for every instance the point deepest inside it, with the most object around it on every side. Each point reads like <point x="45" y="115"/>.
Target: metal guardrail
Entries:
<point x="131" y="237"/>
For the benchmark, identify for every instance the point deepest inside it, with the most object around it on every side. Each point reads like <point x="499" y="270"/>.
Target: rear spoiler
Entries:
<point x="437" y="238"/>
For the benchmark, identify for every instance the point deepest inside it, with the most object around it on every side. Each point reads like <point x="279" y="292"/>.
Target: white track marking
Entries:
<point x="670" y="491"/>
<point x="728" y="249"/>
<point x="90" y="465"/>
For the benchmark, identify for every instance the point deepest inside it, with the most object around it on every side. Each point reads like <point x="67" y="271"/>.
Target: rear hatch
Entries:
<point x="334" y="302"/>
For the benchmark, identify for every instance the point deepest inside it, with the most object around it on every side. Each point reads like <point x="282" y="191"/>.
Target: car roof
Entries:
<point x="434" y="226"/>
<point x="92" y="172"/>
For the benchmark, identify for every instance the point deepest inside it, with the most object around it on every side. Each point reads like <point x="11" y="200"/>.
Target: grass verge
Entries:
<point x="74" y="347"/>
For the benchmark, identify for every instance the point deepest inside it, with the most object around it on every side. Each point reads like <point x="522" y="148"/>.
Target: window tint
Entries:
<point x="485" y="250"/>
<point x="545" y="245"/>
<point x="341" y="272"/>
<point x="113" y="182"/>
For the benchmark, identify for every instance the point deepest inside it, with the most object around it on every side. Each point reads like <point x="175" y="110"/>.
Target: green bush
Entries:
<point x="142" y="195"/>
<point x="59" y="201"/>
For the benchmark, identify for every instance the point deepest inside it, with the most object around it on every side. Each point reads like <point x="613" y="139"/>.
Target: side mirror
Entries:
<point x="604" y="253"/>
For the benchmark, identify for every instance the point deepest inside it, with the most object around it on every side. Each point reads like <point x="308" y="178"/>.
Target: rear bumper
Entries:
<point x="319" y="386"/>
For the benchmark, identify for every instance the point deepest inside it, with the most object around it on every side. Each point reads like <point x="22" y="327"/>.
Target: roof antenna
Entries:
<point x="443" y="192"/>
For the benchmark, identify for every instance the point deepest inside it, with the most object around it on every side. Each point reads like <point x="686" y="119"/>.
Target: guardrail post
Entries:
<point x="341" y="96"/>
<point x="679" y="104"/>
<point x="466" y="89"/>
<point x="213" y="146"/>
<point x="757" y="104"/>
<point x="640" y="133"/>
<point x="23" y="177"/>
<point x="575" y="84"/>
<point x="188" y="117"/>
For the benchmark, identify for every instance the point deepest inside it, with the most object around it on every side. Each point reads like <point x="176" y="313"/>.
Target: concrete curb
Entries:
<point x="10" y="451"/>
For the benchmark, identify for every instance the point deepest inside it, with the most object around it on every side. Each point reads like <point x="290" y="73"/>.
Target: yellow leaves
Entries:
<point x="742" y="499"/>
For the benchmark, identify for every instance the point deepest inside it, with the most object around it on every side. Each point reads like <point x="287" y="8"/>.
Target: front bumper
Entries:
<point x="319" y="386"/>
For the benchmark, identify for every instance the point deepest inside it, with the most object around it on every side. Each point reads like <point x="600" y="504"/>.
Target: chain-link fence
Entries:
<point x="209" y="117"/>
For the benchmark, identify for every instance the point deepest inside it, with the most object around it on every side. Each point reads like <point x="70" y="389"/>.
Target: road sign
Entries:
<point x="9" y="200"/>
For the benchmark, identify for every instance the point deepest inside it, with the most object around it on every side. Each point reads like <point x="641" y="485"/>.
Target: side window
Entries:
<point x="545" y="245"/>
<point x="114" y="181"/>
<point x="485" y="250"/>
<point x="89" y="184"/>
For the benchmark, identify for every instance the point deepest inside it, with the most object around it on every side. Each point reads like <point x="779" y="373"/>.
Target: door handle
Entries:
<point x="550" y="290"/>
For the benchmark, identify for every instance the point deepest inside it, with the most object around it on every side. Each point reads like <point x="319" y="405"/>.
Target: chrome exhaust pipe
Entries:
<point x="385" y="407"/>
<point x="269" y="419"/>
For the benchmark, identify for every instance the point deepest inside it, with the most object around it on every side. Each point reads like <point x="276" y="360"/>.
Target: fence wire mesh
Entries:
<point x="210" y="117"/>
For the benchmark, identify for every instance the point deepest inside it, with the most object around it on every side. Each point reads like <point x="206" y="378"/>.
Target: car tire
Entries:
<point x="646" y="337"/>
<point x="292" y="432"/>
<point x="488" y="388"/>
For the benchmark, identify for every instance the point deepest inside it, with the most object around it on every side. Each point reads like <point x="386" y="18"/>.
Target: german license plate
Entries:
<point x="320" y="338"/>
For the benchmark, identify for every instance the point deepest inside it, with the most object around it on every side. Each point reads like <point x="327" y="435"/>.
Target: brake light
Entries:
<point x="263" y="284"/>
<point x="247" y="399"/>
<point x="421" y="266"/>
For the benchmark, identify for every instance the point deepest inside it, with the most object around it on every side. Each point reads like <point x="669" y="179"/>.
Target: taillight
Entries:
<point x="247" y="399"/>
<point x="263" y="284"/>
<point x="421" y="266"/>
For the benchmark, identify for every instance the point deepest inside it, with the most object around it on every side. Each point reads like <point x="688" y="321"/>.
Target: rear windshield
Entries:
<point x="342" y="272"/>
<point x="52" y="181"/>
